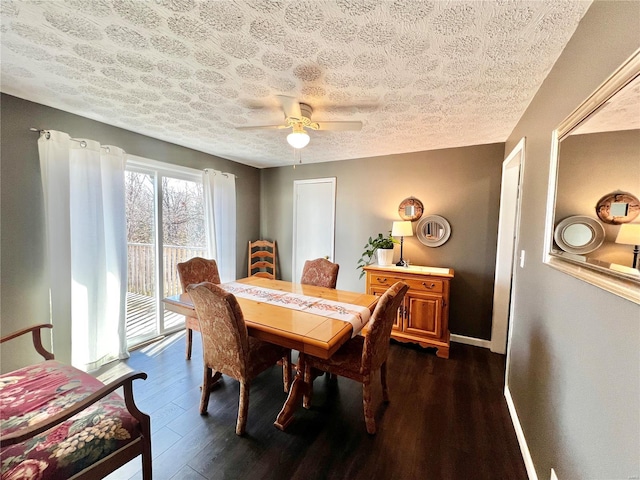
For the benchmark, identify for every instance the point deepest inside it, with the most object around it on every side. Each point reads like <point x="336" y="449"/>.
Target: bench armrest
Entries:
<point x="36" y="337"/>
<point x="125" y="381"/>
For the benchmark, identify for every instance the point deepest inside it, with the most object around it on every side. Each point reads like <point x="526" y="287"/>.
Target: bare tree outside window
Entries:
<point x="183" y="229"/>
<point x="183" y="213"/>
<point x="139" y="207"/>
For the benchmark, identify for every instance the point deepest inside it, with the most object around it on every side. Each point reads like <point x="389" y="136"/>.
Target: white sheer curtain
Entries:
<point x="220" y="212"/>
<point x="83" y="184"/>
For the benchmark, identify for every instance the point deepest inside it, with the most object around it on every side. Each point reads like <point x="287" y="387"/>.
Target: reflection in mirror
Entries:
<point x="596" y="152"/>
<point x="619" y="209"/>
<point x="433" y="230"/>
<point x="577" y="235"/>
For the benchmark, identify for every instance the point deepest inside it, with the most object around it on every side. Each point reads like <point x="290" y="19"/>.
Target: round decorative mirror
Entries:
<point x="410" y="209"/>
<point x="618" y="207"/>
<point x="433" y="230"/>
<point x="579" y="234"/>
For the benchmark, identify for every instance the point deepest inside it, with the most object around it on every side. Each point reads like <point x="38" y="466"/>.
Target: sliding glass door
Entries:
<point x="165" y="226"/>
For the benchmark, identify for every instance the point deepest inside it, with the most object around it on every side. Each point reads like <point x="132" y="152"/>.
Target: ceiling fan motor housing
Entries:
<point x="306" y="111"/>
<point x="304" y="120"/>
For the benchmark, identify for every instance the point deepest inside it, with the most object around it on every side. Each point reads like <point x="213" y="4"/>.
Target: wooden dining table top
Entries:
<point x="310" y="333"/>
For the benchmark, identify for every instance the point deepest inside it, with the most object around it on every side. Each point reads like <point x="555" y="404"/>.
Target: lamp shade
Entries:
<point x="629" y="234"/>
<point x="402" y="229"/>
<point x="298" y="139"/>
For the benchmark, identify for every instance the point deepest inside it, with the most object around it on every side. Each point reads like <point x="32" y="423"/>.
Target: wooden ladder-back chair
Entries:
<point x="196" y="270"/>
<point x="227" y="347"/>
<point x="262" y="259"/>
<point x="360" y="357"/>
<point x="320" y="272"/>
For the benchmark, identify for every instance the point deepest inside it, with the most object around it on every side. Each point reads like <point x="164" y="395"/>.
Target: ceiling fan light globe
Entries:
<point x="298" y="139"/>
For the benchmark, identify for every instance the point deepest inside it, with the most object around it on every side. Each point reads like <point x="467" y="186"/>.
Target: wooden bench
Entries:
<point x="59" y="422"/>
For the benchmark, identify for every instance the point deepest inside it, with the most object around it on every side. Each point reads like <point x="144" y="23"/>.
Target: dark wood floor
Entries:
<point x="447" y="419"/>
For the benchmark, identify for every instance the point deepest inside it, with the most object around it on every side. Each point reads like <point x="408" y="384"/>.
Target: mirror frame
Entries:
<point x="446" y="230"/>
<point x="623" y="282"/>
<point x="418" y="209"/>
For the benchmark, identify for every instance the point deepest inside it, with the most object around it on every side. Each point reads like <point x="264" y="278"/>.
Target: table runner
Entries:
<point x="354" y="314"/>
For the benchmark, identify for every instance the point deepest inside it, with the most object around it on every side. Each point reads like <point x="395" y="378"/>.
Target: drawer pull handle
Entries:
<point x="428" y="286"/>
<point x="381" y="280"/>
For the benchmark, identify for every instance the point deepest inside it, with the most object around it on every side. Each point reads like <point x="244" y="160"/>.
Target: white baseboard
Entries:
<point x="476" y="342"/>
<point x="522" y="441"/>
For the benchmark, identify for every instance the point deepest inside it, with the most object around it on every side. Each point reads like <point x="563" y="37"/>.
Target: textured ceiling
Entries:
<point x="420" y="75"/>
<point x="620" y="112"/>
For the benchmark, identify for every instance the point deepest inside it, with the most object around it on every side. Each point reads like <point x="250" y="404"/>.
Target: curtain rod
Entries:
<point x="215" y="172"/>
<point x="83" y="144"/>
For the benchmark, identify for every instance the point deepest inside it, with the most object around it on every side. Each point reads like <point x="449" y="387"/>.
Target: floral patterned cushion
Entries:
<point x="31" y="395"/>
<point x="346" y="362"/>
<point x="361" y="355"/>
<point x="198" y="270"/>
<point x="320" y="272"/>
<point x="227" y="347"/>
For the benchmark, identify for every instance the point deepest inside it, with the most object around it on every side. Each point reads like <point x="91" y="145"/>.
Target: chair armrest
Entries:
<point x="35" y="336"/>
<point x="125" y="381"/>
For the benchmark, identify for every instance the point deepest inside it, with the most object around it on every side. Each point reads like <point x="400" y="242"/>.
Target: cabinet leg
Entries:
<point x="442" y="352"/>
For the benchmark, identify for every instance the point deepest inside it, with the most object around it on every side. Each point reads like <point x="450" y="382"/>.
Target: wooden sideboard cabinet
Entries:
<point x="423" y="318"/>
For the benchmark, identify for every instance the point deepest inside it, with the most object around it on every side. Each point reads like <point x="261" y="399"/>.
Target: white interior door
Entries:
<point x="508" y="227"/>
<point x="314" y="212"/>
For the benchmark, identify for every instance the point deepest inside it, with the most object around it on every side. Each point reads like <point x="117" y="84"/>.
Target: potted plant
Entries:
<point x="380" y="246"/>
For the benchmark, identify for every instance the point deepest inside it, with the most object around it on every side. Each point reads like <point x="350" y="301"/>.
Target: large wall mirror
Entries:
<point x="596" y="157"/>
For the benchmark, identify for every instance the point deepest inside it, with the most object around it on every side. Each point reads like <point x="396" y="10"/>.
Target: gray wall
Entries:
<point x="574" y="370"/>
<point x="23" y="294"/>
<point x="592" y="166"/>
<point x="460" y="184"/>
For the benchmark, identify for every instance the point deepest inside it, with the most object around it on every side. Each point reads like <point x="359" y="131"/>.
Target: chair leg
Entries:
<point x="383" y="380"/>
<point x="243" y="408"/>
<point x="286" y="372"/>
<point x="369" y="417"/>
<point x="308" y="380"/>
<point x="206" y="390"/>
<point x="189" y="342"/>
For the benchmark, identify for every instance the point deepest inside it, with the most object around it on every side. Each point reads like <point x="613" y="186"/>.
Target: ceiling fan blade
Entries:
<point x="339" y="126"/>
<point x="262" y="127"/>
<point x="290" y="106"/>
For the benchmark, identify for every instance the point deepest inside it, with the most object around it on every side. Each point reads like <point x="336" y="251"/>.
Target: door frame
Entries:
<point x="503" y="300"/>
<point x="296" y="185"/>
<point x="157" y="170"/>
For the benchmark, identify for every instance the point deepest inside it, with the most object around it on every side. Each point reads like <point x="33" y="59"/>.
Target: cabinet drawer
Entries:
<point x="426" y="285"/>
<point x="383" y="280"/>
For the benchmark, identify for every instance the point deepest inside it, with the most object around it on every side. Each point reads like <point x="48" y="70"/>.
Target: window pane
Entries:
<point x="141" y="306"/>
<point x="183" y="232"/>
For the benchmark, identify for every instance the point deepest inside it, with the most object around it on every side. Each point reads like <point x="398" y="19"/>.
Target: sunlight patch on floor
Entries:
<point x="155" y="348"/>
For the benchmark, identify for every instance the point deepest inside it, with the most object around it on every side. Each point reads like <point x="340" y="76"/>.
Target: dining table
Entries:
<point x="317" y="330"/>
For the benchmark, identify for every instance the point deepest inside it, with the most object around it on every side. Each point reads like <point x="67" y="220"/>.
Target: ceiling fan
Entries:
<point x="298" y="117"/>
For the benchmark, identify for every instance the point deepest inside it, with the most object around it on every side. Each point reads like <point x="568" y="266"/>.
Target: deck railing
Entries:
<point x="142" y="261"/>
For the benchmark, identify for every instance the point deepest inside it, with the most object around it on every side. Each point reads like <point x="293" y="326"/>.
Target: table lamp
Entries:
<point x="629" y="234"/>
<point x="402" y="229"/>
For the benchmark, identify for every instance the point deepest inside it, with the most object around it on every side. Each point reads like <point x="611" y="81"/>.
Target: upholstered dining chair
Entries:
<point x="320" y="272"/>
<point x="360" y="357"/>
<point x="196" y="270"/>
<point x="226" y="346"/>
